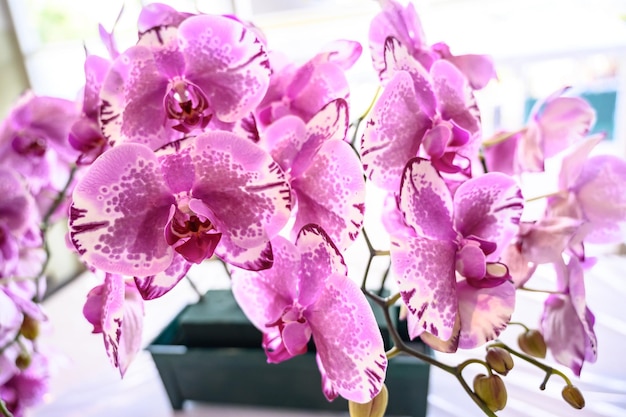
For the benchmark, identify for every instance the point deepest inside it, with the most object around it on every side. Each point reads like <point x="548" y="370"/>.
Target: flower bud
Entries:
<point x="500" y="360"/>
<point x="573" y="396"/>
<point x="30" y="328"/>
<point x="491" y="390"/>
<point x="532" y="343"/>
<point x="23" y="360"/>
<point x="374" y="408"/>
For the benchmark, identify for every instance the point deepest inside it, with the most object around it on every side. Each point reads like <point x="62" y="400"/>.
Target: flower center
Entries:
<point x="191" y="235"/>
<point x="187" y="104"/>
<point x="27" y="145"/>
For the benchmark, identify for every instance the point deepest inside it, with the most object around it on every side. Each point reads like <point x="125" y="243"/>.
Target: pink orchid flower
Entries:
<point x="150" y="216"/>
<point x="308" y="294"/>
<point x="176" y="79"/>
<point x="446" y="260"/>
<point x="115" y="309"/>
<point x="403" y="24"/>
<point x="304" y="90"/>
<point x="324" y="171"/>
<point x="554" y="124"/>
<point x="567" y="323"/>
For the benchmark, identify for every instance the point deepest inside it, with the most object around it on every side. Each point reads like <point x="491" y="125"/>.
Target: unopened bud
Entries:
<point x="500" y="360"/>
<point x="374" y="408"/>
<point x="23" y="360"/>
<point x="30" y="328"/>
<point x="573" y="396"/>
<point x="532" y="343"/>
<point x="491" y="390"/>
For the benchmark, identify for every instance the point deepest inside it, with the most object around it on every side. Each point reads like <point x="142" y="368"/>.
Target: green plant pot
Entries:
<point x="211" y="353"/>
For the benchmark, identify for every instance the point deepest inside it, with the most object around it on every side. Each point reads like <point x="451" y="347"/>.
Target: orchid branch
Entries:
<point x="356" y="124"/>
<point x="45" y="225"/>
<point x="502" y="137"/>
<point x="4" y="410"/>
<point x="547" y="369"/>
<point x="402" y="347"/>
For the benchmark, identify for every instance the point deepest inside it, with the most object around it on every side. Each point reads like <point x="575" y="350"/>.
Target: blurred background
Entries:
<point x="539" y="46"/>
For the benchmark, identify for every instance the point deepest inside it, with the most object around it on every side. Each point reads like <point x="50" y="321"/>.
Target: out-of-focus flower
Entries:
<point x="567" y="323"/>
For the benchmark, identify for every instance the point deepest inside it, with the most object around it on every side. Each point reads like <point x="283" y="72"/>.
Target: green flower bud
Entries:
<point x="573" y="396"/>
<point x="491" y="390"/>
<point x="23" y="360"/>
<point x="30" y="328"/>
<point x="375" y="408"/>
<point x="532" y="343"/>
<point x="500" y="360"/>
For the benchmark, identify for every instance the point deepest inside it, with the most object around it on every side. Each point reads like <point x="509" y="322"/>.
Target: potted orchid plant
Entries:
<point x="201" y="142"/>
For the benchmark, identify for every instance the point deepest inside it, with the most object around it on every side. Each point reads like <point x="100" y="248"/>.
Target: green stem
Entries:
<point x="501" y="137"/>
<point x="4" y="410"/>
<point x="547" y="369"/>
<point x="541" y="197"/>
<point x="400" y="346"/>
<point x="539" y="291"/>
<point x="358" y="122"/>
<point x="45" y="225"/>
<point x="517" y="323"/>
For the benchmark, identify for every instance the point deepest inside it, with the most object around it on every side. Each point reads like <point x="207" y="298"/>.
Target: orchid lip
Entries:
<point x="187" y="104"/>
<point x="33" y="146"/>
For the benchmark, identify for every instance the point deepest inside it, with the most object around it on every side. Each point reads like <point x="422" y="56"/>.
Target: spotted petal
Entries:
<point x="489" y="207"/>
<point x="122" y="321"/>
<point x="484" y="312"/>
<point x="154" y="286"/>
<point x="227" y="61"/>
<point x="348" y="341"/>
<point x="425" y="201"/>
<point x="393" y="133"/>
<point x="119" y="211"/>
<point x="331" y="193"/>
<point x="264" y="295"/>
<point x="331" y="122"/>
<point x="246" y="192"/>
<point x="320" y="259"/>
<point x="425" y="271"/>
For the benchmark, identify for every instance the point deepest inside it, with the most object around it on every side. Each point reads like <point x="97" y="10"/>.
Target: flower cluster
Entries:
<point x="202" y="142"/>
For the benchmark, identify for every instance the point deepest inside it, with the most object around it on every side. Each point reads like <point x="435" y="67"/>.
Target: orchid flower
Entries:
<point x="308" y="294"/>
<point x="420" y="113"/>
<point x="86" y="135"/>
<point x="303" y="90"/>
<point x="446" y="263"/>
<point x="27" y="387"/>
<point x="19" y="222"/>
<point x="178" y="78"/>
<point x="554" y="124"/>
<point x="33" y="143"/>
<point x="324" y="171"/>
<point x="592" y="190"/>
<point x="403" y="24"/>
<point x="150" y="216"/>
<point x="115" y="309"/>
<point x="567" y="323"/>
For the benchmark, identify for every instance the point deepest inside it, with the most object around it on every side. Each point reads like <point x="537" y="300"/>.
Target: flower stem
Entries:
<point x="501" y="137"/>
<point x="539" y="291"/>
<point x="547" y="369"/>
<point x="542" y="196"/>
<point x="358" y="121"/>
<point x="4" y="410"/>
